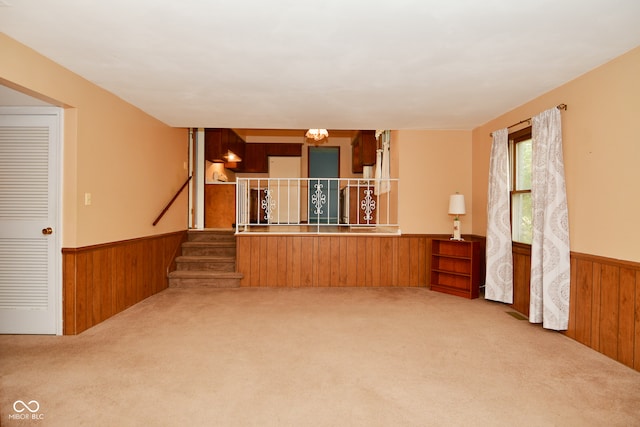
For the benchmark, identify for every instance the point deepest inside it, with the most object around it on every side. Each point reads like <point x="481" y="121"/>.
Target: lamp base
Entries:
<point x="456" y="231"/>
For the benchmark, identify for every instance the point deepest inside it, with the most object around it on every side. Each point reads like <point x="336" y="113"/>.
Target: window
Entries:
<point x="520" y="151"/>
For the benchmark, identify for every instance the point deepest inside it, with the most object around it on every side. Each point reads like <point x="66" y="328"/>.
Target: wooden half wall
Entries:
<point x="333" y="260"/>
<point x="102" y="280"/>
<point x="604" y="307"/>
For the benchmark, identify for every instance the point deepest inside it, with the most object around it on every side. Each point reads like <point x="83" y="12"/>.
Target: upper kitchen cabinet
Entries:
<point x="257" y="155"/>
<point x="213" y="145"/>
<point x="220" y="144"/>
<point x="255" y="159"/>
<point x="363" y="150"/>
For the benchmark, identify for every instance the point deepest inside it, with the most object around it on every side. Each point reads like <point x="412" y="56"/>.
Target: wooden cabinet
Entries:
<point x="456" y="267"/>
<point x="363" y="150"/>
<point x="220" y="205"/>
<point x="256" y="158"/>
<point x="356" y="166"/>
<point x="217" y="144"/>
<point x="358" y="205"/>
<point x="235" y="144"/>
<point x="213" y="145"/>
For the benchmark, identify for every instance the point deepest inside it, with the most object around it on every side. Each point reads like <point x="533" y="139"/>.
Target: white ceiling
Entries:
<point x="339" y="64"/>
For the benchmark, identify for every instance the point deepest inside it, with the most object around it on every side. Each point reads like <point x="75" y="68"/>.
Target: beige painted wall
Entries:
<point x="601" y="145"/>
<point x="131" y="163"/>
<point x="431" y="165"/>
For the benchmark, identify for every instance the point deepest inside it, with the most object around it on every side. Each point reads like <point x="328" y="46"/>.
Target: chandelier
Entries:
<point x="317" y="134"/>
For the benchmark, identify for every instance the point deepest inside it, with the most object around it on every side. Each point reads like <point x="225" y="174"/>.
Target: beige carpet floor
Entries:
<point x="313" y="357"/>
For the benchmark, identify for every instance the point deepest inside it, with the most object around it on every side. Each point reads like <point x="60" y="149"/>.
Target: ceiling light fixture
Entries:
<point x="317" y="134"/>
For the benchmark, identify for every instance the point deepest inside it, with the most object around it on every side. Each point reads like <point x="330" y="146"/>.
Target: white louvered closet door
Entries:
<point x="28" y="206"/>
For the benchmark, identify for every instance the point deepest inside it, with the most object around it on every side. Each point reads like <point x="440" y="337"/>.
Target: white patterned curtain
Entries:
<point x="382" y="171"/>
<point x="499" y="278"/>
<point x="550" y="258"/>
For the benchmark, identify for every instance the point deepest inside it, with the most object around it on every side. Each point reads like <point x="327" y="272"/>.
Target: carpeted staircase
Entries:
<point x="208" y="260"/>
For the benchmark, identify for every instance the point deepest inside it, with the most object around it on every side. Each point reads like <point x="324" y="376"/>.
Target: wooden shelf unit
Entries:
<point x="455" y="267"/>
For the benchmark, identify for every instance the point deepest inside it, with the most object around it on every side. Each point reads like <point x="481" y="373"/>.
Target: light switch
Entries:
<point x="87" y="199"/>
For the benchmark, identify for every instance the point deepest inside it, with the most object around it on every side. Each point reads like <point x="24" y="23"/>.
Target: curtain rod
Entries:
<point x="559" y="107"/>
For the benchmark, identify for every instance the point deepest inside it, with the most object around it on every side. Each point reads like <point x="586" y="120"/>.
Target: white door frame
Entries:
<point x="198" y="179"/>
<point x="56" y="256"/>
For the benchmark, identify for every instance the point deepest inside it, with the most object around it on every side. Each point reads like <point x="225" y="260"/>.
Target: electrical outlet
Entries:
<point x="87" y="199"/>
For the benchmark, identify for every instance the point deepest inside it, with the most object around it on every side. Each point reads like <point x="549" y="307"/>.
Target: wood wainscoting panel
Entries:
<point x="608" y="316"/>
<point x="102" y="280"/>
<point x="333" y="260"/>
<point x="582" y="297"/>
<point x="387" y="256"/>
<point x="521" y="278"/>
<point x="337" y="268"/>
<point x="404" y="254"/>
<point x="636" y="339"/>
<point x="626" y="320"/>
<point x="309" y="269"/>
<point x="607" y="307"/>
<point x="594" y="315"/>
<point x="69" y="300"/>
<point x="352" y="256"/>
<point x="604" y="306"/>
<point x="324" y="271"/>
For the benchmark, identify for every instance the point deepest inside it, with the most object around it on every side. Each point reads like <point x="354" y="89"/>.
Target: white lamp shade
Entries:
<point x="456" y="204"/>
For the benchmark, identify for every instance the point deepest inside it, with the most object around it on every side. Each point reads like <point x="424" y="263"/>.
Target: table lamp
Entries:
<point x="456" y="207"/>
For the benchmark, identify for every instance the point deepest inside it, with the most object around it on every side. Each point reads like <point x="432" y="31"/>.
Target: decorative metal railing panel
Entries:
<point x="368" y="205"/>
<point x="268" y="205"/>
<point x="316" y="205"/>
<point x="319" y="199"/>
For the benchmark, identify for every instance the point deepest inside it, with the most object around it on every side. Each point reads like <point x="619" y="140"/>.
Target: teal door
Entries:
<point x="324" y="163"/>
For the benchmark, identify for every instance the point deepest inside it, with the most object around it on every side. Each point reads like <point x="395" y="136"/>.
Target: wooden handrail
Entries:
<point x="166" y="208"/>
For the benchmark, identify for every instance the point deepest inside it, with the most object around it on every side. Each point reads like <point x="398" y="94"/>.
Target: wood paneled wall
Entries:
<point x="604" y="307"/>
<point x="605" y="314"/>
<point x="103" y="280"/>
<point x="317" y="260"/>
<point x="521" y="277"/>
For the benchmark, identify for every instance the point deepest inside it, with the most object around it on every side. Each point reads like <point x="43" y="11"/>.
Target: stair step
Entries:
<point x="188" y="258"/>
<point x="213" y="244"/>
<point x="213" y="279"/>
<point x="209" y="248"/>
<point x="212" y="235"/>
<point x="206" y="263"/>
